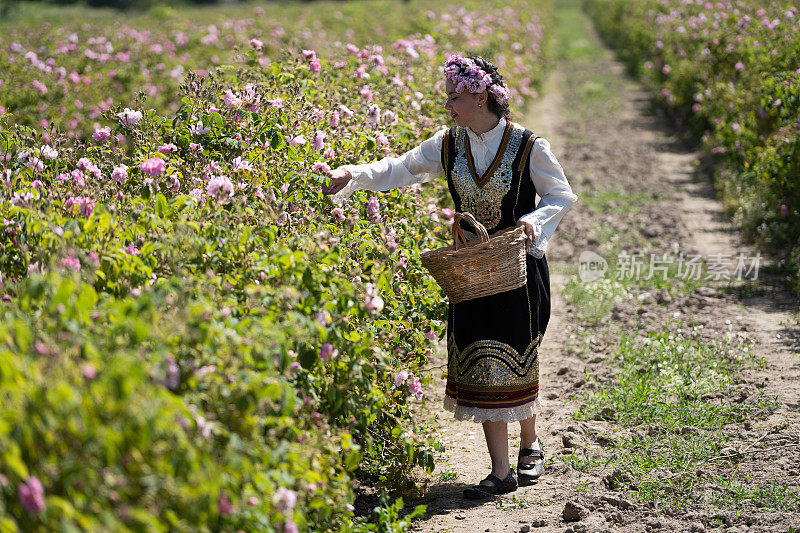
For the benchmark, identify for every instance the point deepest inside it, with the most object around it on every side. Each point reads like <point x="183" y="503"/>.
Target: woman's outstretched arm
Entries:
<point x="418" y="165"/>
<point x="556" y="196"/>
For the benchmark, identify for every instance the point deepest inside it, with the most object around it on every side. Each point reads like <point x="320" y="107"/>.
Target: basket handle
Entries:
<point x="458" y="234"/>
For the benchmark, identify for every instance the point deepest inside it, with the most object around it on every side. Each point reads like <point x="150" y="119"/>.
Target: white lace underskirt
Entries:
<point x="503" y="414"/>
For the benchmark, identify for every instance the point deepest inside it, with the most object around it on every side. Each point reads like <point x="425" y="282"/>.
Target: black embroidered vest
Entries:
<point x="501" y="196"/>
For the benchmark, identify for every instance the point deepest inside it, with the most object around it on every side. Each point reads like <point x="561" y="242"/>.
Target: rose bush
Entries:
<point x="728" y="72"/>
<point x="67" y="73"/>
<point x="193" y="337"/>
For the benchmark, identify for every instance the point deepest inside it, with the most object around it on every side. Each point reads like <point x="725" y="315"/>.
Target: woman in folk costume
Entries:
<point x="494" y="169"/>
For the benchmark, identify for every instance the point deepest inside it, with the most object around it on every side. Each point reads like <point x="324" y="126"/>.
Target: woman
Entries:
<point x="494" y="170"/>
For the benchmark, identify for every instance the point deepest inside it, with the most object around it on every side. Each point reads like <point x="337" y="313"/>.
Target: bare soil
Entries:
<point x="616" y="143"/>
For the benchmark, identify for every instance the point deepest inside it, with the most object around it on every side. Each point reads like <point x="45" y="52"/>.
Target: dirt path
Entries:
<point x="597" y="122"/>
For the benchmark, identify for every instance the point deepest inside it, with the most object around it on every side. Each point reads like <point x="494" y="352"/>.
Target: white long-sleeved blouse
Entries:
<point x="423" y="163"/>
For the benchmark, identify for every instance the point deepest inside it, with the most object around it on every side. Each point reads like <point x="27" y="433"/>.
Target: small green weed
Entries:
<point x="664" y="400"/>
<point x="448" y="474"/>
<point x="582" y="462"/>
<point x="662" y="379"/>
<point x="509" y="504"/>
<point x="734" y="493"/>
<point x="615" y="201"/>
<point x="594" y="299"/>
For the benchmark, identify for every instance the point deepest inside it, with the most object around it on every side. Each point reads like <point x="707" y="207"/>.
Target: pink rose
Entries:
<point x="231" y="99"/>
<point x="101" y="134"/>
<point x="119" y="174"/>
<point x="346" y="111"/>
<point x="319" y="140"/>
<point x="71" y="263"/>
<point x="31" y="495"/>
<point x="39" y="86"/>
<point x="400" y="378"/>
<point x="220" y="187"/>
<point x="414" y="386"/>
<point x="366" y="94"/>
<point x="226" y="508"/>
<point x="168" y="148"/>
<point x="129" y="118"/>
<point x="284" y="500"/>
<point x="89" y="371"/>
<point x="374" y="115"/>
<point x="321" y="167"/>
<point x="373" y="209"/>
<point x="374" y="304"/>
<point x="152" y="167"/>
<point x="327" y="352"/>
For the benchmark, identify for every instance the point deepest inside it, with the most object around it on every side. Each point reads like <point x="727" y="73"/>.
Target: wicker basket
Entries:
<point x="468" y="270"/>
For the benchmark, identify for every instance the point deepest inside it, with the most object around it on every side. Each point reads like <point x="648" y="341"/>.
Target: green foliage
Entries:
<point x="729" y="75"/>
<point x="190" y="335"/>
<point x="98" y="59"/>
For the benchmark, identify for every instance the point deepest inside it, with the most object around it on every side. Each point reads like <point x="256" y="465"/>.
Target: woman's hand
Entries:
<point x="530" y="232"/>
<point x="339" y="178"/>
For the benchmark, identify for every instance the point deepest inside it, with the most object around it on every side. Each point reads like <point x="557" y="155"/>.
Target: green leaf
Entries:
<point x="274" y="391"/>
<point x="11" y="459"/>
<point x="352" y="460"/>
<point x="277" y="140"/>
<point x="308" y="358"/>
<point x="8" y="526"/>
<point x="161" y="205"/>
<point x="352" y="336"/>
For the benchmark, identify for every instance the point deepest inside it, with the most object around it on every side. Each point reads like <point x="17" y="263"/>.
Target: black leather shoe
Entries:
<point x="530" y="471"/>
<point x="498" y="486"/>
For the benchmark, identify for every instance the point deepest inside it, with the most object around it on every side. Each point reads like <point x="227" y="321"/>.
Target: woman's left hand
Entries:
<point x="530" y="231"/>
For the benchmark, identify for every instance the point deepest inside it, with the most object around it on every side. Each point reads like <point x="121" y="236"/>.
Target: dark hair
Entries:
<point x="497" y="79"/>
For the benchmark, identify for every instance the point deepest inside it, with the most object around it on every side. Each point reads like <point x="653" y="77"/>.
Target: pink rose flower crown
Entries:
<point x="467" y="75"/>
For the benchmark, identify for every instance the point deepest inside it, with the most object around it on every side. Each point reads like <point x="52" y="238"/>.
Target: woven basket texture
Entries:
<point x="490" y="265"/>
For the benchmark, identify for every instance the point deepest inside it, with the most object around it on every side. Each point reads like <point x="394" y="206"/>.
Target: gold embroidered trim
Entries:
<point x="446" y="151"/>
<point x="527" y="152"/>
<point x="485" y="202"/>
<point x="493" y="364"/>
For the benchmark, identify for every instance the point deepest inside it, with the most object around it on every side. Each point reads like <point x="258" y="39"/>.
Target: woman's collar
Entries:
<point x="491" y="134"/>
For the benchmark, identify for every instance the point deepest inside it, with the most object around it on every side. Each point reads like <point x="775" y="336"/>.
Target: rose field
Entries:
<point x="193" y="338"/>
<point x="729" y="74"/>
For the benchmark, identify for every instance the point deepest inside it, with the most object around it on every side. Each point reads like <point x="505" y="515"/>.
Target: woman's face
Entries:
<point x="463" y="107"/>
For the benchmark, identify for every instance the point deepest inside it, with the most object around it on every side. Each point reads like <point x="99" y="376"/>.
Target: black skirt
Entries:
<point x="493" y="350"/>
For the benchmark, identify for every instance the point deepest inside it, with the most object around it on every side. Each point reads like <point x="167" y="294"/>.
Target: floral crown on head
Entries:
<point x="466" y="74"/>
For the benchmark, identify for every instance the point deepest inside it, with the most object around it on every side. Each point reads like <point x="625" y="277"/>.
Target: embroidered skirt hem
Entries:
<point x="493" y="350"/>
<point x="502" y="414"/>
